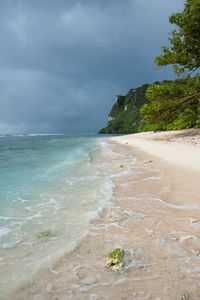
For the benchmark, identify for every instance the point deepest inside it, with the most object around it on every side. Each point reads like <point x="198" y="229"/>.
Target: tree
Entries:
<point x="173" y="105"/>
<point x="184" y="51"/>
<point x="176" y="104"/>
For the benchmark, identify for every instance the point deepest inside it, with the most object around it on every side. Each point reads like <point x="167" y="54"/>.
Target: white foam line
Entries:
<point x="186" y="206"/>
<point x="145" y="197"/>
<point x="10" y="245"/>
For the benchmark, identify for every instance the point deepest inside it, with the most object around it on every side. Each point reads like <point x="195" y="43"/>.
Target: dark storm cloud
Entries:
<point x="62" y="62"/>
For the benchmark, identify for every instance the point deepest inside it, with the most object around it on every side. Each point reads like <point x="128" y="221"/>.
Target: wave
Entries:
<point x="44" y="134"/>
<point x="4" y="231"/>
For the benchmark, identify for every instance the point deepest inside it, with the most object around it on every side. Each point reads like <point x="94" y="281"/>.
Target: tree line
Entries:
<point x="176" y="104"/>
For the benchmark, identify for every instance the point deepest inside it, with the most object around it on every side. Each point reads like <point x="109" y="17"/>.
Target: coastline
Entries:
<point x="154" y="216"/>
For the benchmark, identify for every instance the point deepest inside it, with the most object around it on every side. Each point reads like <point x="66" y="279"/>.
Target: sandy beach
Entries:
<point x="154" y="215"/>
<point x="181" y="147"/>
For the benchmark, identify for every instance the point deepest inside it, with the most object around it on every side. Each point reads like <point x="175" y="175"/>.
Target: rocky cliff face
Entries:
<point x="124" y="116"/>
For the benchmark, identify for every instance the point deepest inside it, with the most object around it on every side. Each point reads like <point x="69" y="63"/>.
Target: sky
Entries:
<point x="62" y="62"/>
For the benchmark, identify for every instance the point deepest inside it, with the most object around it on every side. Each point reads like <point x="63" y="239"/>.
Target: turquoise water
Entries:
<point x="47" y="183"/>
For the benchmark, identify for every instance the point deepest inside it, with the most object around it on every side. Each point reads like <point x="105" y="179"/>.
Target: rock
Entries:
<point x="148" y="161"/>
<point x="186" y="296"/>
<point x="185" y="238"/>
<point x="193" y="220"/>
<point x="196" y="252"/>
<point x="130" y="103"/>
<point x="114" y="259"/>
<point x="120" y="166"/>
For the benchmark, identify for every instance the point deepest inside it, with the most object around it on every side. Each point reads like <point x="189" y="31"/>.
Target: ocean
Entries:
<point x="50" y="188"/>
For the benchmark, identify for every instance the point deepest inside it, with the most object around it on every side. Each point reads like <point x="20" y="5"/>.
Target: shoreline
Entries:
<point x="154" y="216"/>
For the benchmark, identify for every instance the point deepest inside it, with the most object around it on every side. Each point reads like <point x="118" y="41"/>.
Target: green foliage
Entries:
<point x="125" y="113"/>
<point x="173" y="105"/>
<point x="187" y="119"/>
<point x="184" y="50"/>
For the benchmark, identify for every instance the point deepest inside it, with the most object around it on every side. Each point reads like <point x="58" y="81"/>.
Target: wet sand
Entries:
<point x="154" y="216"/>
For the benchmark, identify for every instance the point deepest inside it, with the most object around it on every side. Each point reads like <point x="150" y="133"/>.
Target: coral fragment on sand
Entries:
<point x="120" y="166"/>
<point x="186" y="297"/>
<point x="148" y="161"/>
<point x="114" y="259"/>
<point x="193" y="220"/>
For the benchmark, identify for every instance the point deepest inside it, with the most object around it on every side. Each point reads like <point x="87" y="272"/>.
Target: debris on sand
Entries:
<point x="114" y="260"/>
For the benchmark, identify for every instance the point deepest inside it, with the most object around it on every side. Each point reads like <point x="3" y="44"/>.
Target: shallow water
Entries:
<point x="47" y="183"/>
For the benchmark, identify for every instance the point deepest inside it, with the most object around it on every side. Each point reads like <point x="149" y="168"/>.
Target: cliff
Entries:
<point x="124" y="116"/>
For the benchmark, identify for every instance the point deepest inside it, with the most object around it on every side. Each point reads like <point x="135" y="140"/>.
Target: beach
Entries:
<point x="154" y="215"/>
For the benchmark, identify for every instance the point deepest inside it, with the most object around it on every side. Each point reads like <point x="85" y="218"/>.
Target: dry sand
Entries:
<point x="155" y="217"/>
<point x="181" y="147"/>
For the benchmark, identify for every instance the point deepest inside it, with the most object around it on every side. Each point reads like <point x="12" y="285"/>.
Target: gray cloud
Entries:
<point x="62" y="62"/>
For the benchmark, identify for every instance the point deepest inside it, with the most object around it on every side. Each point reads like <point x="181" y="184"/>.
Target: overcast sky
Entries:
<point x="63" y="61"/>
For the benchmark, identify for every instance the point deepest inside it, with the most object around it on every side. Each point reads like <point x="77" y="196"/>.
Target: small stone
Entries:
<point x="148" y="161"/>
<point x="120" y="166"/>
<point x="196" y="252"/>
<point x="186" y="296"/>
<point x="193" y="220"/>
<point x="185" y="238"/>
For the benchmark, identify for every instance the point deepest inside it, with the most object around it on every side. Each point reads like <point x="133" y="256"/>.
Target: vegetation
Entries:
<point x="114" y="259"/>
<point x="173" y="105"/>
<point x="176" y="104"/>
<point x="45" y="234"/>
<point x="125" y="115"/>
<point x="184" y="51"/>
<point x="167" y="105"/>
